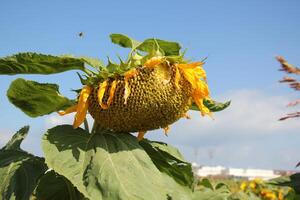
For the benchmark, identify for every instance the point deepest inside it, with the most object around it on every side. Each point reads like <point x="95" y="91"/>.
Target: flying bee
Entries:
<point x="80" y="34"/>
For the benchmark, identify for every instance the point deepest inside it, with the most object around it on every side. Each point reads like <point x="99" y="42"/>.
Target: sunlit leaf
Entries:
<point x="107" y="166"/>
<point x="34" y="63"/>
<point x="124" y="41"/>
<point x="210" y="195"/>
<point x="149" y="45"/>
<point x="36" y="99"/>
<point x="169" y="48"/>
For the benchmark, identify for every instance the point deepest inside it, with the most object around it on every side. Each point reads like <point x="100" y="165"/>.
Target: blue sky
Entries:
<point x="240" y="38"/>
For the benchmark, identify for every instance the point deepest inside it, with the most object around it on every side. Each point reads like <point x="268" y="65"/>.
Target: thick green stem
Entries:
<point x="86" y="125"/>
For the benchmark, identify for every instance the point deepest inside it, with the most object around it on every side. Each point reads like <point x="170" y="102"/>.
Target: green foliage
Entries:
<point x="33" y="63"/>
<point x="106" y="165"/>
<point x="15" y="142"/>
<point x="151" y="45"/>
<point x="292" y="181"/>
<point x="212" y="105"/>
<point x="53" y="186"/>
<point x="206" y="190"/>
<point x="169" y="160"/>
<point x="19" y="170"/>
<point x="103" y="165"/>
<point x="36" y="99"/>
<point x="124" y="41"/>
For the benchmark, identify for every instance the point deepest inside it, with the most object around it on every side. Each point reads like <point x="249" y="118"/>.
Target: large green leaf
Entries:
<point x="149" y="45"/>
<point x="168" y="48"/>
<point x="19" y="170"/>
<point x="107" y="166"/>
<point x="212" y="105"/>
<point x="124" y="41"/>
<point x="210" y="195"/>
<point x="169" y="160"/>
<point x="53" y="186"/>
<point x="36" y="99"/>
<point x="33" y="63"/>
<point x="17" y="138"/>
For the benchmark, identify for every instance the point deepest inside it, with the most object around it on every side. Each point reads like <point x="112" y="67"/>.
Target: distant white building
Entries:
<point x="204" y="171"/>
<point x="210" y="171"/>
<point x="252" y="173"/>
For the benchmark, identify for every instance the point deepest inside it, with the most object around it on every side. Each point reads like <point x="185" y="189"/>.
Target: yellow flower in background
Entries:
<point x="243" y="186"/>
<point x="252" y="185"/>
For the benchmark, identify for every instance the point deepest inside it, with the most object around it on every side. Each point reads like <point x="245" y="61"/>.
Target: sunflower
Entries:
<point x="152" y="92"/>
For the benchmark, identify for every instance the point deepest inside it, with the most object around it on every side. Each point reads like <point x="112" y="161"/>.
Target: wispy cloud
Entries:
<point x="247" y="134"/>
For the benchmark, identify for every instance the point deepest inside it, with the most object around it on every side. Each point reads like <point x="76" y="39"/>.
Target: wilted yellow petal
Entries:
<point x="101" y="91"/>
<point x="200" y="73"/>
<point x="141" y="135"/>
<point x="201" y="90"/>
<point x="112" y="92"/>
<point x="190" y="77"/>
<point x="152" y="62"/>
<point x="131" y="73"/>
<point x="126" y="92"/>
<point x="166" y="130"/>
<point x="190" y="65"/>
<point x="203" y="109"/>
<point x="68" y="110"/>
<point x="82" y="106"/>
<point x="187" y="116"/>
<point x="196" y="76"/>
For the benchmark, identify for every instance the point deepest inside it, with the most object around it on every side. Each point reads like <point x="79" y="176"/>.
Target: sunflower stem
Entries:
<point x="86" y="125"/>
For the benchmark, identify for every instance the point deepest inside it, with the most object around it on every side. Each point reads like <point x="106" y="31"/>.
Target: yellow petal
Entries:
<point x="190" y="65"/>
<point x="126" y="92"/>
<point x="101" y="91"/>
<point x="131" y="73"/>
<point x="243" y="186"/>
<point x="177" y="77"/>
<point x="141" y="135"/>
<point x="187" y="116"/>
<point x="203" y="109"/>
<point x="189" y="75"/>
<point x="82" y="106"/>
<point x="152" y="62"/>
<point x="200" y="72"/>
<point x="112" y="92"/>
<point x="166" y="130"/>
<point x="201" y="90"/>
<point x="68" y="110"/>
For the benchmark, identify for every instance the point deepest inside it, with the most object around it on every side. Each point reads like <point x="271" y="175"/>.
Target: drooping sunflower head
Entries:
<point x="146" y="92"/>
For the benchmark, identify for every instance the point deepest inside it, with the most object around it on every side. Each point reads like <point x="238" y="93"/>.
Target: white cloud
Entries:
<point x="247" y="134"/>
<point x="55" y="120"/>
